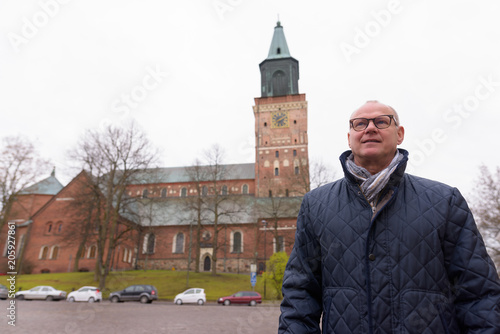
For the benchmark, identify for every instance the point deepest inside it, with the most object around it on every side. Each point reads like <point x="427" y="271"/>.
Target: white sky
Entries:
<point x="67" y="65"/>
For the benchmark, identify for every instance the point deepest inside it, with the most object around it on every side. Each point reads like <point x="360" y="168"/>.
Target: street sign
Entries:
<point x="253" y="278"/>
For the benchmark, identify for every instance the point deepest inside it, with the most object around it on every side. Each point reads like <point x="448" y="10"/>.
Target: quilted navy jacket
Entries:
<point x="416" y="265"/>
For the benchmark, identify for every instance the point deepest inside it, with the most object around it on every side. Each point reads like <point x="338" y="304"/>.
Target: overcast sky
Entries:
<point x="187" y="72"/>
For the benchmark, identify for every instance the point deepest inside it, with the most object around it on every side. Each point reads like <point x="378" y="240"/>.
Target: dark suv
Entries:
<point x="141" y="292"/>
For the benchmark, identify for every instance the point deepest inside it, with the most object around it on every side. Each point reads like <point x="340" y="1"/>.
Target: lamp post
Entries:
<point x="264" y="223"/>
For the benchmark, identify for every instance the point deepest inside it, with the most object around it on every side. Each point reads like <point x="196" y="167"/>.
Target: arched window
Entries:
<point x="178" y="245"/>
<point x="129" y="256"/>
<point x="224" y="190"/>
<point x="145" y="193"/>
<point x="236" y="242"/>
<point x="82" y="254"/>
<point x="43" y="253"/>
<point x="279" y="244"/>
<point x="279" y="83"/>
<point x="164" y="192"/>
<point x="148" y="246"/>
<point x="92" y="252"/>
<point x="276" y="171"/>
<point x="20" y="246"/>
<point x="54" y="252"/>
<point x="59" y="227"/>
<point x="125" y="255"/>
<point x="244" y="189"/>
<point x="184" y="192"/>
<point x="49" y="227"/>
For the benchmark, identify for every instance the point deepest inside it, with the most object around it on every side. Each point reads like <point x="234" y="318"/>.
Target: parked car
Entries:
<point x="140" y="292"/>
<point x="251" y="298"/>
<point x="41" y="292"/>
<point x="85" y="294"/>
<point x="194" y="295"/>
<point x="4" y="292"/>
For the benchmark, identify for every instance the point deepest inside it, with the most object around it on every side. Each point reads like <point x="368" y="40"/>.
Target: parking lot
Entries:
<point x="133" y="317"/>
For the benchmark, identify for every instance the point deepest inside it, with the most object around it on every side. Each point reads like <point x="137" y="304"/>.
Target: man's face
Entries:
<point x="373" y="146"/>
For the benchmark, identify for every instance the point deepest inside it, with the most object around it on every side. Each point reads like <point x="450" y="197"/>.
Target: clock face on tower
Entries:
<point x="279" y="119"/>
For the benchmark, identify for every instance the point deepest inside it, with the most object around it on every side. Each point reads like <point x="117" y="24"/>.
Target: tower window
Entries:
<point x="265" y="124"/>
<point x="277" y="154"/>
<point x="278" y="51"/>
<point x="294" y="121"/>
<point x="276" y="171"/>
<point x="294" y="153"/>
<point x="296" y="170"/>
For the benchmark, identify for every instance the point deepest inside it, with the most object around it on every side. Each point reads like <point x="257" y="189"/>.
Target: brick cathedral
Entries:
<point x="267" y="195"/>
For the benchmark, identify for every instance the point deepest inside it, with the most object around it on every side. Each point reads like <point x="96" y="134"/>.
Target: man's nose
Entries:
<point x="371" y="125"/>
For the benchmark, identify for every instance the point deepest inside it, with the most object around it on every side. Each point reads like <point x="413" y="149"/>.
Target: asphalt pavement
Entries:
<point x="42" y="317"/>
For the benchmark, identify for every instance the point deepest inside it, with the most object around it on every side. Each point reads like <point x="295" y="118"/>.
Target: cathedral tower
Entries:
<point x="281" y="162"/>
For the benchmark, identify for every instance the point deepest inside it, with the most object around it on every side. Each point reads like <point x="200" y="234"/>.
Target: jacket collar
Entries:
<point x="395" y="177"/>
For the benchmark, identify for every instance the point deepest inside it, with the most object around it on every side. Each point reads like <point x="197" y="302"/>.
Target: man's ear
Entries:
<point x="349" y="139"/>
<point x="401" y="134"/>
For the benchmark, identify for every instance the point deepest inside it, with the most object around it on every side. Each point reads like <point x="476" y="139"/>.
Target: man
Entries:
<point x="381" y="251"/>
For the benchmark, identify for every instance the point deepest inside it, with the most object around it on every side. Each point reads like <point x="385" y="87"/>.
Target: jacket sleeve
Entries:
<point x="301" y="307"/>
<point x="475" y="283"/>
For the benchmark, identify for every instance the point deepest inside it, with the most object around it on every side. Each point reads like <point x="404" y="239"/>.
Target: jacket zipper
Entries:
<point x="375" y="214"/>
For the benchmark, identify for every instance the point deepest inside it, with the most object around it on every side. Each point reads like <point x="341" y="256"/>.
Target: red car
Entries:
<point x="242" y="297"/>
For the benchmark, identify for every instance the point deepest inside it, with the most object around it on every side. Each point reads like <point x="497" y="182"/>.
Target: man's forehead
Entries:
<point x="372" y="109"/>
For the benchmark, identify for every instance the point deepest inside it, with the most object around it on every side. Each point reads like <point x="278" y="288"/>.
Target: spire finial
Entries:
<point x="53" y="172"/>
<point x="278" y="24"/>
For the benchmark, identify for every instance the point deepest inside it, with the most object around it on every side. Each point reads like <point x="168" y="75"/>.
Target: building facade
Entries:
<point x="188" y="216"/>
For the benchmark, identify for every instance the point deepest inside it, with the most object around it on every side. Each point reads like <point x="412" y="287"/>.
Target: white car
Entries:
<point x="41" y="292"/>
<point x="194" y="295"/>
<point x="85" y="294"/>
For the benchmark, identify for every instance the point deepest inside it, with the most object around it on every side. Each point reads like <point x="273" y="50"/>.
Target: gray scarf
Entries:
<point x="372" y="185"/>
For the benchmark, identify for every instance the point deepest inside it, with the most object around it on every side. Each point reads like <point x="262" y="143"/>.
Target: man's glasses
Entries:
<point x="381" y="122"/>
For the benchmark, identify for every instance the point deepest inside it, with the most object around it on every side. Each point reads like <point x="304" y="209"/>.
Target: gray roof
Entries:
<point x="182" y="174"/>
<point x="279" y="47"/>
<point x="48" y="186"/>
<point x="240" y="209"/>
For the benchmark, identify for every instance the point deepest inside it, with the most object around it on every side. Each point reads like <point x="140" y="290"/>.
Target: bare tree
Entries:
<point x="20" y="166"/>
<point x="197" y="175"/>
<point x="147" y="214"/>
<point x="485" y="204"/>
<point x="220" y="205"/>
<point x="321" y="174"/>
<point x="113" y="157"/>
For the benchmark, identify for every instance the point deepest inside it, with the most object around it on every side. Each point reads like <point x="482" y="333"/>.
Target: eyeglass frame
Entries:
<point x="391" y="118"/>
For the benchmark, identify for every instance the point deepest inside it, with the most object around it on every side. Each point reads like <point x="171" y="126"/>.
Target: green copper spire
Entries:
<point x="279" y="72"/>
<point x="279" y="48"/>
